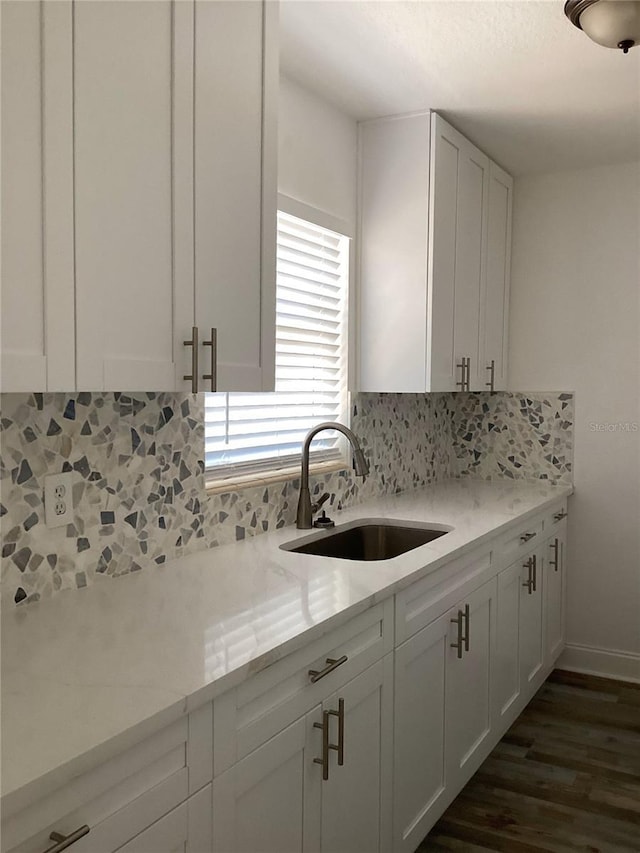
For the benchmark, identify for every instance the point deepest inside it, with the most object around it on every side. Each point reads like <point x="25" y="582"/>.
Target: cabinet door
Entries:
<point x="235" y="190"/>
<point x="531" y="634"/>
<point x="446" y="145"/>
<point x="495" y="301"/>
<point x="132" y="114"/>
<point x="259" y="803"/>
<point x="355" y="801"/>
<point x="507" y="653"/>
<point x="457" y="225"/>
<point x="419" y="733"/>
<point x="37" y="198"/>
<point x="468" y="685"/>
<point x="554" y="591"/>
<point x="471" y="222"/>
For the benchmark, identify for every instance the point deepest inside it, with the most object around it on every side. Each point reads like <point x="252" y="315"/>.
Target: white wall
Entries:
<point x="317" y="153"/>
<point x="575" y="325"/>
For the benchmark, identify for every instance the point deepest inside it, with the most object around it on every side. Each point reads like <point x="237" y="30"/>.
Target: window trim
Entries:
<point x="277" y="475"/>
<point x="236" y="481"/>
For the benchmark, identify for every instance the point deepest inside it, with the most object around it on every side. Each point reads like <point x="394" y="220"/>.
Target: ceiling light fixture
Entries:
<point x="611" y="23"/>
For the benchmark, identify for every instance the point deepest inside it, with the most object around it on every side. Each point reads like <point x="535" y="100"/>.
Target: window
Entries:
<point x="251" y="433"/>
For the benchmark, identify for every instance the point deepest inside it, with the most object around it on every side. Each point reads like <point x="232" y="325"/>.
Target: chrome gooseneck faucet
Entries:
<point x="305" y="508"/>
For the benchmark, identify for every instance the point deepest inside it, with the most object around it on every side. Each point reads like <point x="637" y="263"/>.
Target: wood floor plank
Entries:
<point x="586" y="758"/>
<point x="621" y="796"/>
<point x="604" y="731"/>
<point x="565" y="777"/>
<point x="550" y="825"/>
<point x="580" y="679"/>
<point x="630" y="696"/>
<point x="615" y="716"/>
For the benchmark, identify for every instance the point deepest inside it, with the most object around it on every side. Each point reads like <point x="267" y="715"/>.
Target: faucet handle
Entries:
<point x="321" y="500"/>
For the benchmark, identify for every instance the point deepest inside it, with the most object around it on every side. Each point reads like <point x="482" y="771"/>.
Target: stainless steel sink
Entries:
<point x="368" y="540"/>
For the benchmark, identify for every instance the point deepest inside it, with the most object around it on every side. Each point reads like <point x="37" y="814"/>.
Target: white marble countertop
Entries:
<point x="92" y="671"/>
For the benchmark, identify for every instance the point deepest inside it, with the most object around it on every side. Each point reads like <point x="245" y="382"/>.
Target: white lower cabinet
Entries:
<point x="154" y="797"/>
<point x="468" y="698"/>
<point x="520" y="650"/>
<point x="322" y="785"/>
<point x="507" y="689"/>
<point x="461" y="680"/>
<point x="419" y="760"/>
<point x="354" y="813"/>
<point x="185" y="829"/>
<point x="554" y="592"/>
<point x="442" y="712"/>
<point x="531" y="622"/>
<point x="169" y="835"/>
<point x="259" y="803"/>
<point x="346" y="745"/>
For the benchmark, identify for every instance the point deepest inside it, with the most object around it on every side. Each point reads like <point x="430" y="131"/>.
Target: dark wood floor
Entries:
<point x="565" y="777"/>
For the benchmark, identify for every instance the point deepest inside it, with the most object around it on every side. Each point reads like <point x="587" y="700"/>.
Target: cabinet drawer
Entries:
<point x="120" y="797"/>
<point x="249" y="715"/>
<point x="519" y="540"/>
<point x="425" y="600"/>
<point x="554" y="518"/>
<point x="167" y="835"/>
<point x="185" y="829"/>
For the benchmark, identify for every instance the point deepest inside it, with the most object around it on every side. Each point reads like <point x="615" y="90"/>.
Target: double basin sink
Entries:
<point x="368" y="540"/>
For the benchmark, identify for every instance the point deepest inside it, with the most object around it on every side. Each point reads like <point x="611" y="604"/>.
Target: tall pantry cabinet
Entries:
<point x="149" y="172"/>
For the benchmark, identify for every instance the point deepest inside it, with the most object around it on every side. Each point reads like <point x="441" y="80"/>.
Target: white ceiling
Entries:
<point x="525" y="85"/>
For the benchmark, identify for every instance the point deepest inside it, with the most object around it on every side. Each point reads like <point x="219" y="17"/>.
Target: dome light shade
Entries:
<point x="611" y="23"/>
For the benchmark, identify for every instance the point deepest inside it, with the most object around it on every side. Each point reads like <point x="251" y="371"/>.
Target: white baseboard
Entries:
<point x="624" y="666"/>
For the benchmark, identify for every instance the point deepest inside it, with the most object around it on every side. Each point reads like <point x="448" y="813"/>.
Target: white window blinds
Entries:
<point x="256" y="432"/>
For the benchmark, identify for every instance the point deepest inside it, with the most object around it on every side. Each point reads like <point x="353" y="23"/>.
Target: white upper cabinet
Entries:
<point x="37" y="197"/>
<point x="430" y="233"/>
<point x="393" y="214"/>
<point x="127" y="237"/>
<point x="139" y="161"/>
<point x="236" y="188"/>
<point x="457" y="226"/>
<point x="495" y="304"/>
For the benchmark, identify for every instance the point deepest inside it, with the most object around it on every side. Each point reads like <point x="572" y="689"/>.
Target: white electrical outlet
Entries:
<point x="58" y="499"/>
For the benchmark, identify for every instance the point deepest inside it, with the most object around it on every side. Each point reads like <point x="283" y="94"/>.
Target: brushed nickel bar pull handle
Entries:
<point x="526" y="537"/>
<point x="466" y="628"/>
<point x="469" y="373"/>
<point x="324" y="725"/>
<point x="555" y="546"/>
<point x="340" y="747"/>
<point x="193" y="376"/>
<point x="332" y="663"/>
<point x="212" y="376"/>
<point x="463" y="372"/>
<point x="529" y="583"/>
<point x="492" y="373"/>
<point x="535" y="573"/>
<point x="560" y="515"/>
<point x="64" y="841"/>
<point x="458" y="621"/>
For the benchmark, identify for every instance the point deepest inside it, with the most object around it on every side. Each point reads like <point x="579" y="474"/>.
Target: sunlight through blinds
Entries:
<point x="247" y="432"/>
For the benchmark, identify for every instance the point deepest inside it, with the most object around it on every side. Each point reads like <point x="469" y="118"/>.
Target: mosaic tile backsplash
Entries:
<point x="519" y="436"/>
<point x="139" y="484"/>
